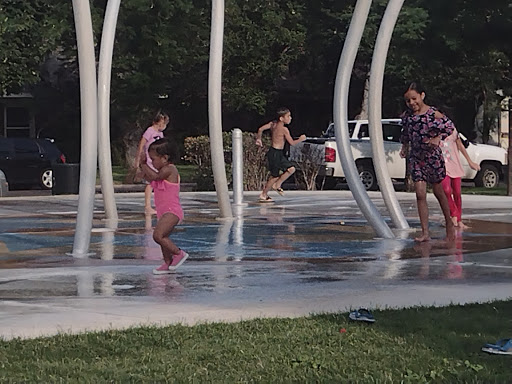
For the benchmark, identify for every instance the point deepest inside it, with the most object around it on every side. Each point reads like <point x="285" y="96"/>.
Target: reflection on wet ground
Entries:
<point x="314" y="243"/>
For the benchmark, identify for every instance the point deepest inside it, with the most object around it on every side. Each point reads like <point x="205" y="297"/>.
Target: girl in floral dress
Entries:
<point x="423" y="129"/>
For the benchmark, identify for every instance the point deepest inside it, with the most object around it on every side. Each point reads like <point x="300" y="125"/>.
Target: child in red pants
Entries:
<point x="451" y="183"/>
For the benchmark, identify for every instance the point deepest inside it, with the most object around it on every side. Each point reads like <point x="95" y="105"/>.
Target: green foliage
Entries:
<point x="274" y="51"/>
<point x="29" y="31"/>
<point x="262" y="38"/>
<point x="427" y="345"/>
<point x="197" y="152"/>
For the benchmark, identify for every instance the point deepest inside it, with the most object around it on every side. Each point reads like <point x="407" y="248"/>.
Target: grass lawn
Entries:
<point x="119" y="173"/>
<point x="501" y="190"/>
<point x="414" y="345"/>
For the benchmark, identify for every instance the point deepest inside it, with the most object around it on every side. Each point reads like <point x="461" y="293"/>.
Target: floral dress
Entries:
<point x="426" y="161"/>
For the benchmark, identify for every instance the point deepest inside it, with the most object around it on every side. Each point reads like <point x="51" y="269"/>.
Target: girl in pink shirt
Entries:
<point x="454" y="172"/>
<point x="165" y="181"/>
<point x="151" y="134"/>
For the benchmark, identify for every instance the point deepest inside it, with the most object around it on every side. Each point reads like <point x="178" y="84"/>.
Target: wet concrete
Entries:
<point x="306" y="252"/>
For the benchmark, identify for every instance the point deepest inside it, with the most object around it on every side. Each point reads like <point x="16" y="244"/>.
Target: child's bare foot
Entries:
<point x="455" y="222"/>
<point x="424" y="237"/>
<point x="463" y="226"/>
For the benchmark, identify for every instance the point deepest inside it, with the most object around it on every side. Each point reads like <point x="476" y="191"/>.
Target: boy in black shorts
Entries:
<point x="279" y="166"/>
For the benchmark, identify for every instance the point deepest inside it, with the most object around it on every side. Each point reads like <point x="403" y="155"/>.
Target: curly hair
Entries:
<point x="165" y="147"/>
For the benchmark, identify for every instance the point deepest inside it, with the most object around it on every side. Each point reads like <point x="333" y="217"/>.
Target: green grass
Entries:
<point x="187" y="172"/>
<point x="499" y="191"/>
<point x="119" y="173"/>
<point x="414" y="345"/>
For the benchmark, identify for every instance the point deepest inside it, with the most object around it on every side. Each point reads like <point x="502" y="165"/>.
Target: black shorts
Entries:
<point x="277" y="161"/>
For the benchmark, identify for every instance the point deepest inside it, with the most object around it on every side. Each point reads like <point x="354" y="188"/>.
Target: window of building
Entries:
<point x="16" y="122"/>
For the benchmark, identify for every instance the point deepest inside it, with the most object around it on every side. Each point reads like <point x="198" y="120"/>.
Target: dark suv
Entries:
<point x="29" y="161"/>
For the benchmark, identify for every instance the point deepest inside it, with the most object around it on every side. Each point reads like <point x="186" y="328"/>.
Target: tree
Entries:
<point x="29" y="31"/>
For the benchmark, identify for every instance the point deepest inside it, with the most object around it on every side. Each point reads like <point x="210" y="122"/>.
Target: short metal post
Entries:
<point x="238" y="167"/>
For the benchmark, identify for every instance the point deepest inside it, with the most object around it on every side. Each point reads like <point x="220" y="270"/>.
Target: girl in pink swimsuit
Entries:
<point x="165" y="181"/>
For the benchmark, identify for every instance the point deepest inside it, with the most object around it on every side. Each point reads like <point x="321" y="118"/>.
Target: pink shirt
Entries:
<point x="451" y="156"/>
<point x="167" y="198"/>
<point x="151" y="135"/>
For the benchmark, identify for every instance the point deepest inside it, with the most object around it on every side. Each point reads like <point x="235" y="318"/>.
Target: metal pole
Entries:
<point x="89" y="129"/>
<point x="215" y="108"/>
<point x="380" y="53"/>
<point x="104" y="76"/>
<point x="238" y="167"/>
<point x="341" y="89"/>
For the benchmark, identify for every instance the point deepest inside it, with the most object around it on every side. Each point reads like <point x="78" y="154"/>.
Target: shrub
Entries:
<point x="197" y="152"/>
<point x="309" y="159"/>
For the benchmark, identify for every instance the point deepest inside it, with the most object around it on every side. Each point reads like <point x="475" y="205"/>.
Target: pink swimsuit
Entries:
<point x="167" y="198"/>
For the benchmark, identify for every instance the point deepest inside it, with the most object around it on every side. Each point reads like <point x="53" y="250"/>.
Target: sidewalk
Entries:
<point x="288" y="258"/>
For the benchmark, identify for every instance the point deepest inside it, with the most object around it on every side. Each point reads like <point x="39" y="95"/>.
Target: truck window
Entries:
<point x="363" y="132"/>
<point x="330" y="130"/>
<point x="391" y="132"/>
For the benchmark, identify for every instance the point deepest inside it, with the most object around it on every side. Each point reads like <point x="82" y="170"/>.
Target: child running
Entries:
<point x="279" y="166"/>
<point x="154" y="132"/>
<point x="454" y="171"/>
<point x="423" y="129"/>
<point x="165" y="181"/>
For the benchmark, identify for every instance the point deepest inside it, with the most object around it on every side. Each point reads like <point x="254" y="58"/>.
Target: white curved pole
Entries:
<point x="104" y="77"/>
<point x="380" y="53"/>
<point x="89" y="131"/>
<point x="341" y="90"/>
<point x="215" y="108"/>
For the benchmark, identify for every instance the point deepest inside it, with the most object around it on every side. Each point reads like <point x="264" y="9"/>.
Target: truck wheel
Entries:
<point x="487" y="177"/>
<point x="367" y="175"/>
<point x="326" y="183"/>
<point x="46" y="179"/>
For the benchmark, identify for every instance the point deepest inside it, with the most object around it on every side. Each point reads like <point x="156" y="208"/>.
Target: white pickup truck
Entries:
<point x="492" y="159"/>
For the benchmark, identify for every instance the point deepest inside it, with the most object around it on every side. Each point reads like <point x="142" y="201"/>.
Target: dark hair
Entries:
<point x="415" y="86"/>
<point x="282" y="111"/>
<point x="165" y="147"/>
<point x="160" y="115"/>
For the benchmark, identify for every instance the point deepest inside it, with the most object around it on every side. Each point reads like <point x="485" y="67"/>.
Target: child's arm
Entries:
<point x="462" y="149"/>
<point x="445" y="129"/>
<point x="290" y="140"/>
<point x="168" y="172"/>
<point x="404" y="138"/>
<point x="140" y="150"/>
<point x="404" y="150"/>
<point x="261" y="130"/>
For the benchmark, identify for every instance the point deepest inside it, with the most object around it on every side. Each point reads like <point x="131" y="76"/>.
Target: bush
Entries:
<point x="197" y="152"/>
<point x="309" y="160"/>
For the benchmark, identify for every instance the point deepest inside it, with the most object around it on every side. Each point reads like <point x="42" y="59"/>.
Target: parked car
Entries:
<point x="29" y="162"/>
<point x="491" y="159"/>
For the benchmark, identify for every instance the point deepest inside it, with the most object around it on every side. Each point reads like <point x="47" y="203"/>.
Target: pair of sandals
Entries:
<point x="268" y="199"/>
<point x="501" y="347"/>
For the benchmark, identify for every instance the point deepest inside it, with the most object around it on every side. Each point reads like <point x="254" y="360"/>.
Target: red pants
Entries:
<point x="451" y="187"/>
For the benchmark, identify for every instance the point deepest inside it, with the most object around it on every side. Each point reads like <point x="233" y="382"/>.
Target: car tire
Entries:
<point x="367" y="176"/>
<point x="46" y="179"/>
<point x="487" y="177"/>
<point x="326" y="183"/>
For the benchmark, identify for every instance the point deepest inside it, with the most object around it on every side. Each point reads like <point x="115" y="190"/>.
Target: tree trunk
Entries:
<point x="363" y="115"/>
